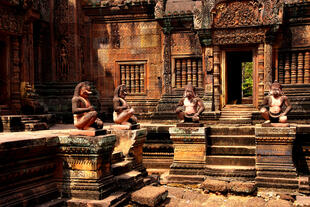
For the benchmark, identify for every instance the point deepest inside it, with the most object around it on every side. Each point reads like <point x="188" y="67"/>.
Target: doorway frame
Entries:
<point x="224" y="78"/>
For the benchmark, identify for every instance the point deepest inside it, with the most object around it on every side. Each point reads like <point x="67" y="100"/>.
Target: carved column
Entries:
<point x="183" y="83"/>
<point x="268" y="66"/>
<point x="128" y="77"/>
<point x="300" y="72"/>
<point x="132" y="78"/>
<point x="137" y="81"/>
<point x="281" y="69"/>
<point x="189" y="71"/>
<point x="307" y="67"/>
<point x="123" y="75"/>
<point x="167" y="57"/>
<point x="141" y="78"/>
<point x="293" y="69"/>
<point x="178" y="73"/>
<point x="260" y="57"/>
<point x="200" y="74"/>
<point x="194" y="75"/>
<point x="15" y="74"/>
<point x="287" y="74"/>
<point x="216" y="75"/>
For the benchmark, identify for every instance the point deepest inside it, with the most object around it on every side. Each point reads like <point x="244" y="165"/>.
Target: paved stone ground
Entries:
<point x="187" y="197"/>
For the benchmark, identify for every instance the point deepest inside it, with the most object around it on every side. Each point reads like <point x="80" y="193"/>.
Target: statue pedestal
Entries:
<point x="130" y="143"/>
<point x="274" y="161"/>
<point x="189" y="155"/>
<point x="85" y="166"/>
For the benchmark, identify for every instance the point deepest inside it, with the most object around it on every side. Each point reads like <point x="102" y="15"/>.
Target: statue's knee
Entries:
<point x="178" y="110"/>
<point x="94" y="113"/>
<point x="283" y="119"/>
<point x="263" y="110"/>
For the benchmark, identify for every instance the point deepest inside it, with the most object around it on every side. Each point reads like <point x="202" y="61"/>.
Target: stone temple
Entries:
<point x="231" y="51"/>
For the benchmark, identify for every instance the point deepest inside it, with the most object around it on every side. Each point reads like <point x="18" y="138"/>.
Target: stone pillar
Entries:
<point x="216" y="76"/>
<point x="268" y="66"/>
<point x="274" y="161"/>
<point x="15" y="75"/>
<point x="85" y="166"/>
<point x="167" y="56"/>
<point x="189" y="159"/>
<point x="260" y="58"/>
<point x="130" y="143"/>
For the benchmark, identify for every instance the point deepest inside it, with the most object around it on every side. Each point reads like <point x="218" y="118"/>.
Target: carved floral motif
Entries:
<point x="247" y="13"/>
<point x="10" y="22"/>
<point x="240" y="36"/>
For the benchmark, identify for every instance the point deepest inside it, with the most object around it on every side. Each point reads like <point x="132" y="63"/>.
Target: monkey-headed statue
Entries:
<point x="84" y="114"/>
<point x="190" y="106"/>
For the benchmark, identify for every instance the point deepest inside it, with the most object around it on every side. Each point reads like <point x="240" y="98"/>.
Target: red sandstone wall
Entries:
<point x="134" y="41"/>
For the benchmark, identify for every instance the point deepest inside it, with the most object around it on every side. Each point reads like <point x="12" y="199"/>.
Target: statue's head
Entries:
<point x="189" y="91"/>
<point x="82" y="89"/>
<point x="120" y="91"/>
<point x="276" y="89"/>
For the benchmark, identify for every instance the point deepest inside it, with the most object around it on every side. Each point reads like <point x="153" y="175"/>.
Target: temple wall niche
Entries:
<point x="131" y="43"/>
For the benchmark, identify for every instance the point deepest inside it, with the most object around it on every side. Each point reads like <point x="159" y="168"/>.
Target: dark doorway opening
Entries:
<point x="3" y="74"/>
<point x="239" y="77"/>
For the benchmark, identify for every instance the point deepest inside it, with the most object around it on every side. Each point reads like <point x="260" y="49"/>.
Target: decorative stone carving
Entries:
<point x="274" y="162"/>
<point x="10" y="21"/>
<point x="189" y="154"/>
<point x="85" y="166"/>
<point x="239" y="36"/>
<point x="63" y="61"/>
<point x="246" y="13"/>
<point x="159" y="8"/>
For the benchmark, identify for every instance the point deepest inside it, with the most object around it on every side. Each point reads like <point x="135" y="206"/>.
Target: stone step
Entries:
<point x="117" y="157"/>
<point x="234" y="120"/>
<point x="231" y="130"/>
<point x="231" y="140"/>
<point x="230" y="160"/>
<point x="231" y="172"/>
<point x="231" y="150"/>
<point x="36" y="126"/>
<point x="60" y="202"/>
<point x="132" y="180"/>
<point x="113" y="200"/>
<point x="277" y="174"/>
<point x="276" y="182"/>
<point x="186" y="179"/>
<point x="121" y="167"/>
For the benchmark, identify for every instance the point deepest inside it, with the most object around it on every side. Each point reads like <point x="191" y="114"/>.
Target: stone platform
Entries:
<point x="189" y="155"/>
<point x="274" y="162"/>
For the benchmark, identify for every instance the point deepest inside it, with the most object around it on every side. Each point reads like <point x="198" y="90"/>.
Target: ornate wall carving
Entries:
<point x="239" y="36"/>
<point x="10" y="21"/>
<point x="247" y="13"/>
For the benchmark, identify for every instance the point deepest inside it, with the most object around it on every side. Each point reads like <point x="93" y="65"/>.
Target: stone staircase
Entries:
<point x="237" y="114"/>
<point x="231" y="152"/>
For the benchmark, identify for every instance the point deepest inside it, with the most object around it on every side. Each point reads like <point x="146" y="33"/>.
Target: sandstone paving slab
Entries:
<point x="279" y="203"/>
<point x="302" y="201"/>
<point x="150" y="195"/>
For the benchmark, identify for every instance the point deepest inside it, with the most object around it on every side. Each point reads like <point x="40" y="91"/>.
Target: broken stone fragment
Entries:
<point x="150" y="195"/>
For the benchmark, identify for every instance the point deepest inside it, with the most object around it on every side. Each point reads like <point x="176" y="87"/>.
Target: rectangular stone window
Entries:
<point x="188" y="70"/>
<point x="132" y="74"/>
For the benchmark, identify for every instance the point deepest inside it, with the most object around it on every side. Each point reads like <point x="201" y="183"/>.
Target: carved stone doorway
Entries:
<point x="4" y="77"/>
<point x="237" y="77"/>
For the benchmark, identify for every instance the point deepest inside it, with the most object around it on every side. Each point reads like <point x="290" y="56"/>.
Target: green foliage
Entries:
<point x="247" y="78"/>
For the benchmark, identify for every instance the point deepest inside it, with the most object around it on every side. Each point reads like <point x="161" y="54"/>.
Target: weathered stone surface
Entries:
<point x="302" y="201"/>
<point x="150" y="195"/>
<point x="85" y="159"/>
<point x="278" y="203"/>
<point x="241" y="187"/>
<point x="90" y="133"/>
<point x="214" y="186"/>
<point x="255" y="202"/>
